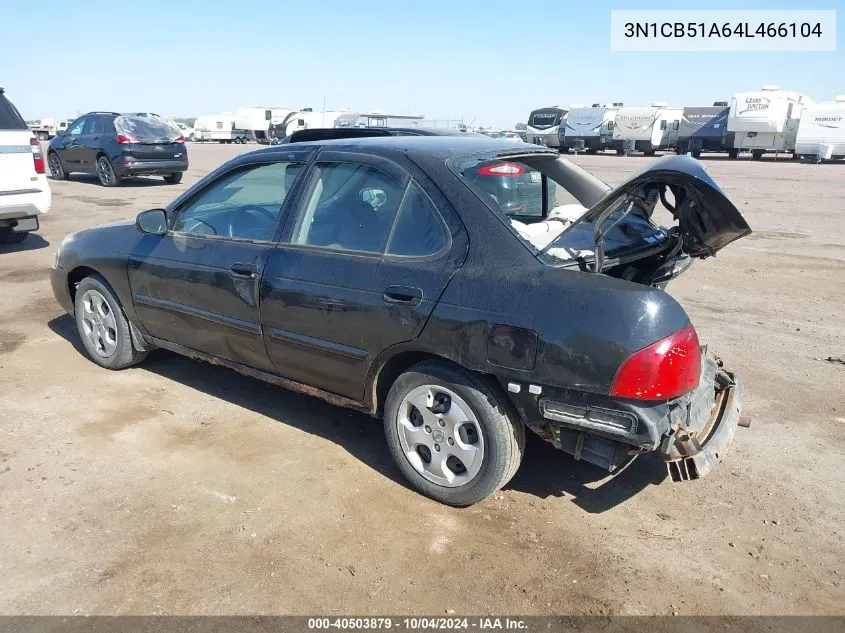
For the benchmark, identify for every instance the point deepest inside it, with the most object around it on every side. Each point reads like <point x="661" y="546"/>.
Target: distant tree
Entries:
<point x="520" y="126"/>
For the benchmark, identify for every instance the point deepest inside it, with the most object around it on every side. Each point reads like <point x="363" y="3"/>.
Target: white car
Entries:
<point x="24" y="190"/>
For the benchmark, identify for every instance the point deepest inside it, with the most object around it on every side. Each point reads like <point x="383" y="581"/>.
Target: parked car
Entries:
<point x="377" y="274"/>
<point x="114" y="146"/>
<point x="24" y="190"/>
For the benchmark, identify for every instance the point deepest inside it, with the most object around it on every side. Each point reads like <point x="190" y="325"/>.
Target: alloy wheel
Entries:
<point x="440" y="435"/>
<point x="98" y="323"/>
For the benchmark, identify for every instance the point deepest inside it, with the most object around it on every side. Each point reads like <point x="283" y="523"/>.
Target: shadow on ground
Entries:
<point x="32" y="242"/>
<point x="545" y="472"/>
<point x="133" y="181"/>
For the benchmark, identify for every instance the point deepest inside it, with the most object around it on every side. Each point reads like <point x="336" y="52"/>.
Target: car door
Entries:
<point x="331" y="299"/>
<point x="197" y="285"/>
<point x="71" y="155"/>
<point x="89" y="142"/>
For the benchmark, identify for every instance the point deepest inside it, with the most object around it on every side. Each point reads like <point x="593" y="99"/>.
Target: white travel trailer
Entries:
<point x="765" y="120"/>
<point x="589" y="129"/>
<point x="821" y="131"/>
<point x="221" y="128"/>
<point x="377" y="118"/>
<point x="257" y="120"/>
<point x="650" y="128"/>
<point x="543" y="127"/>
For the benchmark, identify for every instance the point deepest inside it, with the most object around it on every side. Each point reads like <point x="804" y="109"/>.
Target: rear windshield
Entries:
<point x="10" y="118"/>
<point x="145" y="128"/>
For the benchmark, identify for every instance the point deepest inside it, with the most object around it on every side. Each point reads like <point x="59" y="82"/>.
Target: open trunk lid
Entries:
<point x="707" y="220"/>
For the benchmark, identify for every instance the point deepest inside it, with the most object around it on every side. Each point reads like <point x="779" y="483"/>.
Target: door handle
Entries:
<point x="243" y="271"/>
<point x="403" y="294"/>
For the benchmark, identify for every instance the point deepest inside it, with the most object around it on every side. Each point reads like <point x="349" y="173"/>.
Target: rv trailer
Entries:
<point x="704" y="129"/>
<point x="543" y="127"/>
<point x="589" y="129"/>
<point x="221" y="128"/>
<point x="377" y="118"/>
<point x="648" y="128"/>
<point x="257" y="120"/>
<point x="765" y="120"/>
<point x="821" y="131"/>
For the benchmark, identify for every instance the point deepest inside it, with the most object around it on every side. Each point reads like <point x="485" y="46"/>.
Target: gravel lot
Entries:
<point x="180" y="487"/>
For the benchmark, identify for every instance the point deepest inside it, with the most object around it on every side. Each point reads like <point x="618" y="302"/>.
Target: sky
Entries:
<point x="489" y="63"/>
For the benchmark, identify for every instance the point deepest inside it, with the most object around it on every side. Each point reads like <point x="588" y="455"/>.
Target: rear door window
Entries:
<point x="348" y="206"/>
<point x="10" y="118"/>
<point x="419" y="230"/>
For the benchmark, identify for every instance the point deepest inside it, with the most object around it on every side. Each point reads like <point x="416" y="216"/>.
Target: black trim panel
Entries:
<point x="221" y="319"/>
<point x="320" y="344"/>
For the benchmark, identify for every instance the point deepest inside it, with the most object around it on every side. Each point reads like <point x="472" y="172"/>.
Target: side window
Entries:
<point x="76" y="129"/>
<point x="91" y="125"/>
<point x="243" y="205"/>
<point x="419" y="230"/>
<point x="348" y="206"/>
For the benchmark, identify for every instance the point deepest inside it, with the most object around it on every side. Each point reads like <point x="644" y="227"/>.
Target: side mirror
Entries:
<point x="60" y="132"/>
<point x="153" y="222"/>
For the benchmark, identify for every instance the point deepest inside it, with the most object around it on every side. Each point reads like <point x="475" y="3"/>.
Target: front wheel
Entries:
<point x="173" y="179"/>
<point x="57" y="170"/>
<point x="450" y="434"/>
<point x="103" y="327"/>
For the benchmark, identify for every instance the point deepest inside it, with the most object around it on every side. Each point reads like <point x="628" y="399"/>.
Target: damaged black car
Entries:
<point x="464" y="290"/>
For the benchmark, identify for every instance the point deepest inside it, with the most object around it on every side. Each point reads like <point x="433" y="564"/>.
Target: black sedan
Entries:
<point x="381" y="275"/>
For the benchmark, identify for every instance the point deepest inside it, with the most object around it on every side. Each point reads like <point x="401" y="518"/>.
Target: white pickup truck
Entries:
<point x="45" y="129"/>
<point x="24" y="190"/>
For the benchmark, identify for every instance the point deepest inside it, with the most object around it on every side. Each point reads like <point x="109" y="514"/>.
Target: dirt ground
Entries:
<point x="182" y="488"/>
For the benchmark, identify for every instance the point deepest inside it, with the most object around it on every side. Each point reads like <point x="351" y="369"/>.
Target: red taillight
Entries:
<point x="37" y="156"/>
<point x="663" y="370"/>
<point x="123" y="139"/>
<point x="502" y="169"/>
<point x="179" y="139"/>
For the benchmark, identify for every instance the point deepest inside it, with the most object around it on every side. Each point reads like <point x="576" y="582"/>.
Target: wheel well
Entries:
<point x="400" y="363"/>
<point x="75" y="276"/>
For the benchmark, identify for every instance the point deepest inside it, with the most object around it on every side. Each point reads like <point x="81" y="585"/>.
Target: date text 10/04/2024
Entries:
<point x="724" y="30"/>
<point x="418" y="623"/>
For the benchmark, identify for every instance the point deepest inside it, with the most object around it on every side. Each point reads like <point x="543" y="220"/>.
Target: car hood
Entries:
<point x="708" y="223"/>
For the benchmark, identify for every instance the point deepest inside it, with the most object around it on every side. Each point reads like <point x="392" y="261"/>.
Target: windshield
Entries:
<point x="146" y="129"/>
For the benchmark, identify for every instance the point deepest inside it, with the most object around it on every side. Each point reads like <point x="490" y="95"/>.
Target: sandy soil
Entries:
<point x="179" y="487"/>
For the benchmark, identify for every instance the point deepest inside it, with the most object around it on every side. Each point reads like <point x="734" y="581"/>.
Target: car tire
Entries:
<point x="105" y="172"/>
<point x="173" y="179"/>
<point x="57" y="170"/>
<point x="8" y="236"/>
<point x="43" y="136"/>
<point x="103" y="326"/>
<point x="757" y="154"/>
<point x="733" y="154"/>
<point x="696" y="154"/>
<point x="481" y="428"/>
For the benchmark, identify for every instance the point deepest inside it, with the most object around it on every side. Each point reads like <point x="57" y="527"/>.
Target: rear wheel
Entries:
<point x="103" y="327"/>
<point x="173" y="179"/>
<point x="8" y="236"/>
<point x="105" y="173"/>
<point x="450" y="434"/>
<point x="43" y="136"/>
<point x="696" y="154"/>
<point x="57" y="170"/>
<point x="733" y="154"/>
<point x="757" y="154"/>
<point x="238" y="140"/>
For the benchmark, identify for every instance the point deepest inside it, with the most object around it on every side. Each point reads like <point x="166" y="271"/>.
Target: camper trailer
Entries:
<point x="221" y="128"/>
<point x="821" y="131"/>
<point x="377" y="118"/>
<point x="704" y="129"/>
<point x="257" y="120"/>
<point x="589" y="129"/>
<point x="648" y="128"/>
<point x="765" y="120"/>
<point x="543" y="126"/>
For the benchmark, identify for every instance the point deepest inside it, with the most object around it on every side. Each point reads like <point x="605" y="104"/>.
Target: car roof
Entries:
<point x="446" y="146"/>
